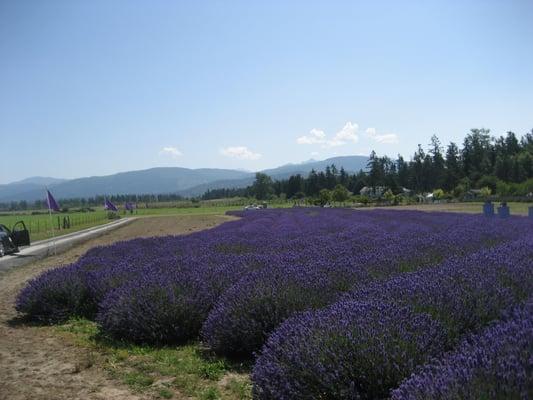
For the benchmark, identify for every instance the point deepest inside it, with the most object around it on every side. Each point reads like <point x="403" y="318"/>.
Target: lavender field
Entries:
<point x="327" y="303"/>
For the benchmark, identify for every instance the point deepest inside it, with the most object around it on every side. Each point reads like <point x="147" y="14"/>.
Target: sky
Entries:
<point x="98" y="87"/>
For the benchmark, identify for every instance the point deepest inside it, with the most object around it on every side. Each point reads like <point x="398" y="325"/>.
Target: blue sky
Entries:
<point x="98" y="87"/>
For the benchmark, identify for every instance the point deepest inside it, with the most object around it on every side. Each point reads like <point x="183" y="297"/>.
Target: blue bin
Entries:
<point x="503" y="212"/>
<point x="488" y="209"/>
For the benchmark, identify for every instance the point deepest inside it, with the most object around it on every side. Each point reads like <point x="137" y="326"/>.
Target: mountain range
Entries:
<point x="184" y="181"/>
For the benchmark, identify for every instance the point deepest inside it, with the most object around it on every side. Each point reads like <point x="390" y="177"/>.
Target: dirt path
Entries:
<point x="34" y="361"/>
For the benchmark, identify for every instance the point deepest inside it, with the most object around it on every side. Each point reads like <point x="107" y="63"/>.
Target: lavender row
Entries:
<point x="348" y="351"/>
<point x="304" y="257"/>
<point x="330" y="264"/>
<point x="496" y="364"/>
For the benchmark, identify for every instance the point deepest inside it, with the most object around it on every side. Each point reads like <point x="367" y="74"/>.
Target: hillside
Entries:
<point x="185" y="181"/>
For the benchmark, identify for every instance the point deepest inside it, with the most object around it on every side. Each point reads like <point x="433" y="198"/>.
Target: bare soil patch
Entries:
<point x="35" y="362"/>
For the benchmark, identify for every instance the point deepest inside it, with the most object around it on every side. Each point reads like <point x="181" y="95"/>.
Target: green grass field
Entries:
<point x="40" y="225"/>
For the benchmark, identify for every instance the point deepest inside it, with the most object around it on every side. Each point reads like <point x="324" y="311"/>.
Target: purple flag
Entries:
<point x="109" y="206"/>
<point x="52" y="203"/>
<point x="128" y="206"/>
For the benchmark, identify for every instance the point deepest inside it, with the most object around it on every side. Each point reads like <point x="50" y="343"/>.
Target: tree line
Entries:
<point x="500" y="165"/>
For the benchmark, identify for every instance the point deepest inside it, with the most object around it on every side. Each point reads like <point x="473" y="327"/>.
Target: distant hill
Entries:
<point x="185" y="181"/>
<point x="17" y="190"/>
<point x="39" y="180"/>
<point x="350" y="164"/>
<point x="154" y="180"/>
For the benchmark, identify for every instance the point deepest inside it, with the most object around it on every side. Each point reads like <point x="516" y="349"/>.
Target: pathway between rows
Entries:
<point x="44" y="248"/>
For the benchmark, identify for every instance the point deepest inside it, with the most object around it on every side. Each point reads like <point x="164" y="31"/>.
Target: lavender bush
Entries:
<point x="352" y="350"/>
<point x="333" y="262"/>
<point x="464" y="293"/>
<point x="55" y="296"/>
<point x="152" y="309"/>
<point x="461" y="295"/>
<point x="250" y="310"/>
<point x="496" y="364"/>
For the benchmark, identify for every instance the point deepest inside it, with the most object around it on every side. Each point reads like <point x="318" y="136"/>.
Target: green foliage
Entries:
<point x="459" y="191"/>
<point x="262" y="187"/>
<point x="486" y="191"/>
<point x="210" y="394"/>
<point x="503" y="188"/>
<point x="489" y="181"/>
<point x="362" y="199"/>
<point x="340" y="194"/>
<point x="389" y="196"/>
<point x="113" y="215"/>
<point x="165" y="393"/>
<point x="138" y="379"/>
<point x="324" y="197"/>
<point x="438" y="194"/>
<point x="299" y="195"/>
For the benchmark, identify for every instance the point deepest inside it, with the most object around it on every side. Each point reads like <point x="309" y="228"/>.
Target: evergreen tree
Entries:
<point x="453" y="166"/>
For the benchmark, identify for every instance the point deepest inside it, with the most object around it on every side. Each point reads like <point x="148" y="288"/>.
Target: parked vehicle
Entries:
<point x="12" y="239"/>
<point x="255" y="206"/>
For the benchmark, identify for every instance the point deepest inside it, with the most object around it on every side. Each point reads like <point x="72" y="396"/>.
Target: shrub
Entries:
<point x="460" y="296"/>
<point x="350" y="350"/>
<point x="464" y="293"/>
<point x="55" y="296"/>
<point x="253" y="307"/>
<point x="249" y="311"/>
<point x="151" y="309"/>
<point x="495" y="364"/>
<point x="113" y="215"/>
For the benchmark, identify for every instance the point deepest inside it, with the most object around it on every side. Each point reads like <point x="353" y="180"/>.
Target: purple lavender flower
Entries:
<point x="462" y="295"/>
<point x="496" y="364"/>
<point x="352" y="350"/>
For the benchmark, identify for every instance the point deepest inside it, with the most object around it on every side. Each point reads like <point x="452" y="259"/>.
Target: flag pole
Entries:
<point x="51" y="221"/>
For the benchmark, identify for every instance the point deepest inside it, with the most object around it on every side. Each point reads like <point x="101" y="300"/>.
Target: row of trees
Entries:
<point x="482" y="161"/>
<point x="504" y="165"/>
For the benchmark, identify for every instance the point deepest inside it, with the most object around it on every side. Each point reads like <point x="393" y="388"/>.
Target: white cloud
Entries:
<point x="388" y="138"/>
<point x="371" y="132"/>
<point x="315" y="153"/>
<point x="385" y="138"/>
<point x="171" y="151"/>
<point x="316" y="136"/>
<point x="240" y="152"/>
<point x="348" y="134"/>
